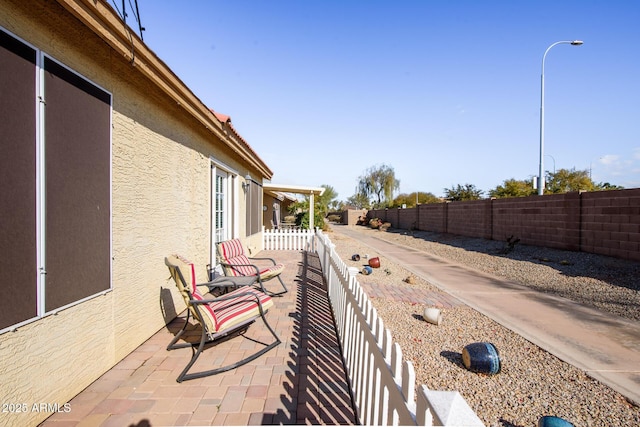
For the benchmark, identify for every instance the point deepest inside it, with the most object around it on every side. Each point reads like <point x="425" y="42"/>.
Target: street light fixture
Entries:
<point x="541" y="172"/>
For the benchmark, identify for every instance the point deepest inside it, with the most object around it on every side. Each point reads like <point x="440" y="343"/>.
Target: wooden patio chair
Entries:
<point x="234" y="262"/>
<point x="219" y="317"/>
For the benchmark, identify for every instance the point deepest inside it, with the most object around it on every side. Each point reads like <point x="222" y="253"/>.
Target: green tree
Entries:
<point x="607" y="186"/>
<point x="336" y="205"/>
<point x="359" y="201"/>
<point x="459" y="193"/>
<point x="513" y="188"/>
<point x="328" y="197"/>
<point x="320" y="208"/>
<point x="378" y="182"/>
<point x="568" y="180"/>
<point x="410" y="199"/>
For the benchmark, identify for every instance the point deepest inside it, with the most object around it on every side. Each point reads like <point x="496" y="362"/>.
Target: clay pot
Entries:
<point x="355" y="257"/>
<point x="432" y="315"/>
<point x="550" y="421"/>
<point x="481" y="357"/>
<point x="374" y="262"/>
<point x="367" y="270"/>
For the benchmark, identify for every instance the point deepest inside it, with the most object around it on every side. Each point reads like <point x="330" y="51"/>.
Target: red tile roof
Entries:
<point x="226" y="120"/>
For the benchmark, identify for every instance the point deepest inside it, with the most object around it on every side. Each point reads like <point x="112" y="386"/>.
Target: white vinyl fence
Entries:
<point x="382" y="382"/>
<point x="288" y="240"/>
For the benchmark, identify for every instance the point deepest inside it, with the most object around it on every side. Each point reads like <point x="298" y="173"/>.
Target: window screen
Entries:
<point x="18" y="253"/>
<point x="77" y="167"/>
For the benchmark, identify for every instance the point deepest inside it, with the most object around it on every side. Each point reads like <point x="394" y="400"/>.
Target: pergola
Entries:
<point x="297" y="189"/>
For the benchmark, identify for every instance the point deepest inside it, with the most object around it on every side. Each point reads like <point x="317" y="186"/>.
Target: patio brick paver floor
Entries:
<point x="301" y="381"/>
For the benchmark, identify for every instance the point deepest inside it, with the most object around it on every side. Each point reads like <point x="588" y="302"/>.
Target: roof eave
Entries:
<point x="106" y="24"/>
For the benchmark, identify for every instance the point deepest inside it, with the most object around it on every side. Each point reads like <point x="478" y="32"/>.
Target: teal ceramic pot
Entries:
<point x="481" y="357"/>
<point x="367" y="270"/>
<point x="550" y="421"/>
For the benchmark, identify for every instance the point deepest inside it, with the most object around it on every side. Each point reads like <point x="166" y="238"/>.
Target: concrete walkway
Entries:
<point x="605" y="346"/>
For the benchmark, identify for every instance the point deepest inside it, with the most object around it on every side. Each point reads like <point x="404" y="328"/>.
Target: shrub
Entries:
<point x="335" y="218"/>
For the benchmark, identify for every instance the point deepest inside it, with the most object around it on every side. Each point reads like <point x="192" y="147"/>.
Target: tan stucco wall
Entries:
<point x="161" y="205"/>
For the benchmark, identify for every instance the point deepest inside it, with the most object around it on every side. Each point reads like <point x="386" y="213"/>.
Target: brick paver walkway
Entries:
<point x="410" y="295"/>
<point x="302" y="381"/>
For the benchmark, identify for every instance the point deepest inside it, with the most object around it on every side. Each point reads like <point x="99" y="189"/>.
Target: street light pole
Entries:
<point x="541" y="172"/>
<point x="554" y="161"/>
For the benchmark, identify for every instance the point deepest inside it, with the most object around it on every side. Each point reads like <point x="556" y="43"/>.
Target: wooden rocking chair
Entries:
<point x="219" y="317"/>
<point x="233" y="260"/>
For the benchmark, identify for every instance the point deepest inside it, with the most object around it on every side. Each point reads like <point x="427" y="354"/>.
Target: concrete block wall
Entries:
<point x="603" y="222"/>
<point x="551" y="221"/>
<point x="432" y="217"/>
<point x="471" y="218"/>
<point x="383" y="214"/>
<point x="611" y="223"/>
<point x="351" y="216"/>
<point x="407" y="218"/>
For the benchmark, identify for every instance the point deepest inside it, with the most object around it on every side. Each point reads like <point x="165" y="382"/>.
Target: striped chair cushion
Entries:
<point x="229" y="314"/>
<point x="218" y="315"/>
<point x="272" y="271"/>
<point x="232" y="252"/>
<point x="188" y="271"/>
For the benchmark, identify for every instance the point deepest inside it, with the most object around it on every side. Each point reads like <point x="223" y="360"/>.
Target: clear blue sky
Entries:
<point x="445" y="92"/>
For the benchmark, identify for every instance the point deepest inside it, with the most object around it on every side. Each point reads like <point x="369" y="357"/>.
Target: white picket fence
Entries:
<point x="382" y="382"/>
<point x="288" y="240"/>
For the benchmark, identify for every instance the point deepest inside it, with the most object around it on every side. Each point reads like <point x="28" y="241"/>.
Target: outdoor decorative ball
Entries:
<point x="374" y="262"/>
<point x="481" y="357"/>
<point x="550" y="421"/>
<point x="367" y="270"/>
<point x="355" y="257"/>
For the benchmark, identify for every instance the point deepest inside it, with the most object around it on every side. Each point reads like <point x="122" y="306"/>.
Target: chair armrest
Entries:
<point x="215" y="284"/>
<point x="209" y="284"/>
<point x="270" y="259"/>
<point x="224" y="264"/>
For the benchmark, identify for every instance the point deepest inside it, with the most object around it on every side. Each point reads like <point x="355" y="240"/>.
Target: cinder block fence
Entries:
<point x="601" y="222"/>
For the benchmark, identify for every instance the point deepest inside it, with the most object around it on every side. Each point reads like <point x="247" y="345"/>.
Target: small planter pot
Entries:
<point x="367" y="270"/>
<point x="550" y="421"/>
<point x="355" y="257"/>
<point x="432" y="315"/>
<point x="374" y="262"/>
<point x="481" y="357"/>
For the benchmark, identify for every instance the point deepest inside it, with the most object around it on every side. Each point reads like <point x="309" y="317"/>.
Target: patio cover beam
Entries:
<point x="296" y="189"/>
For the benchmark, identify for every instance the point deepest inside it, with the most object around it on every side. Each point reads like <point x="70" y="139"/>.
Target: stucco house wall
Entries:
<point x="162" y="157"/>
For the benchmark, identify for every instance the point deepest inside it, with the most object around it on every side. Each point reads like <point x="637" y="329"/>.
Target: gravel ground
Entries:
<point x="532" y="382"/>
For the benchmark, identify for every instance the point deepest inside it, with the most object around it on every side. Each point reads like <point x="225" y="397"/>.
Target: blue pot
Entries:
<point x="367" y="270"/>
<point x="481" y="357"/>
<point x="550" y="421"/>
<point x="355" y="257"/>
